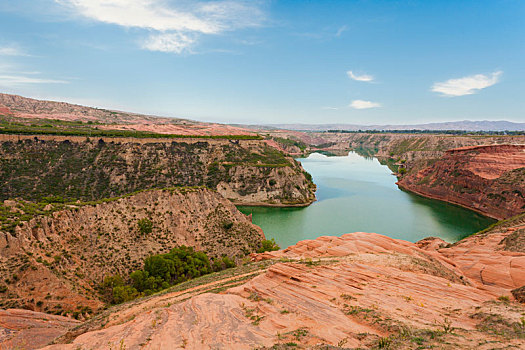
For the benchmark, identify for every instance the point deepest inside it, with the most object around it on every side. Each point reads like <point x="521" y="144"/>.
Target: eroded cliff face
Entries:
<point x="54" y="261"/>
<point x="483" y="173"/>
<point x="488" y="179"/>
<point x="411" y="147"/>
<point x="246" y="171"/>
<point x="360" y="290"/>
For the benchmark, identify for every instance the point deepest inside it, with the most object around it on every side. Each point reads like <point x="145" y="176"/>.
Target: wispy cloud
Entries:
<point x="168" y="42"/>
<point x="363" y="77"/>
<point x="178" y="25"/>
<point x="341" y="30"/>
<point x="331" y="108"/>
<point x="361" y="104"/>
<point x="467" y="85"/>
<point x="13" y="75"/>
<point x="11" y="51"/>
<point x="13" y="80"/>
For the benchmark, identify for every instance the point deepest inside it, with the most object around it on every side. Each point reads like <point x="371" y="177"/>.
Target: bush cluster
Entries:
<point x="161" y="271"/>
<point x="145" y="226"/>
<point x="268" y="245"/>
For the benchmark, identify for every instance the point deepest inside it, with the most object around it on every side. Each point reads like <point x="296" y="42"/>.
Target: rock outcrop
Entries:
<point x="25" y="329"/>
<point x="359" y="290"/>
<point x="246" y="171"/>
<point x="488" y="179"/>
<point x="54" y="261"/>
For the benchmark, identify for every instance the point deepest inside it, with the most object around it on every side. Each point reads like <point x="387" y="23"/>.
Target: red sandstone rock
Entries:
<point x="489" y="179"/>
<point x="349" y="290"/>
<point x="24" y="329"/>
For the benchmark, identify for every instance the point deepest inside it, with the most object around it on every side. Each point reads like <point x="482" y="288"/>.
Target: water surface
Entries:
<point x="359" y="194"/>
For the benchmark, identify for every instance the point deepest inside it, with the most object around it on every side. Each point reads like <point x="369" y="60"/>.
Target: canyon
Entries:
<point x="75" y="188"/>
<point x="481" y="173"/>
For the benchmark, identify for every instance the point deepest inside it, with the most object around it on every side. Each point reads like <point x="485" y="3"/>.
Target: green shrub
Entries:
<point x="222" y="263"/>
<point x="145" y="226"/>
<point x="122" y="294"/>
<point x="160" y="272"/>
<point x="268" y="245"/>
<point x="227" y="225"/>
<point x="107" y="286"/>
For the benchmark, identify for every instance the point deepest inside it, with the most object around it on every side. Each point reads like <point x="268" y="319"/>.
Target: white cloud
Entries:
<point x="11" y="51"/>
<point x="360" y="104"/>
<point x="12" y="75"/>
<point x="362" y="77"/>
<point x="177" y="23"/>
<point x="467" y="85"/>
<point x="12" y="80"/>
<point x="169" y="42"/>
<point x="331" y="108"/>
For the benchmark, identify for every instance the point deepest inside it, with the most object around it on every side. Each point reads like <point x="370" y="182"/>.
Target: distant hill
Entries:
<point x="25" y="109"/>
<point x="466" y="125"/>
<point x="33" y="108"/>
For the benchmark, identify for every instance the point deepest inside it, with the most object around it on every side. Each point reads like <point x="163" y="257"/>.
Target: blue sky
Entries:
<point x="363" y="62"/>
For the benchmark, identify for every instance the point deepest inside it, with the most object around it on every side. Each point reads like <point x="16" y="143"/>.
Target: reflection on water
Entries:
<point x="360" y="194"/>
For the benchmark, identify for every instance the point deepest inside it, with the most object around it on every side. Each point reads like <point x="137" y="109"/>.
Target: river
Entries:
<point x="355" y="193"/>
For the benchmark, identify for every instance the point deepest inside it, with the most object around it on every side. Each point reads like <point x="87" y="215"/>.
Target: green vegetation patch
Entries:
<point x="268" y="245"/>
<point x="160" y="272"/>
<point x="290" y="142"/>
<point x="12" y="126"/>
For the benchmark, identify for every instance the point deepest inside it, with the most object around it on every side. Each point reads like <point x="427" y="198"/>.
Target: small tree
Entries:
<point x="268" y="245"/>
<point x="145" y="226"/>
<point x="124" y="293"/>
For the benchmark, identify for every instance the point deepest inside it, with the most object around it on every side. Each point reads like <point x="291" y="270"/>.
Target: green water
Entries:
<point x="359" y="194"/>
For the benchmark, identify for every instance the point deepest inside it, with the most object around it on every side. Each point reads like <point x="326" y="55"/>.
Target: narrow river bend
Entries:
<point x="359" y="194"/>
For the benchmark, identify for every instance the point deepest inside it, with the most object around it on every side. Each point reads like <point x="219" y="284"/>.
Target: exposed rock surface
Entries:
<point x="25" y="329"/>
<point x="488" y="179"/>
<point x="359" y="290"/>
<point x="54" y="261"/>
<point x="488" y="258"/>
<point x="245" y="171"/>
<point x="408" y="147"/>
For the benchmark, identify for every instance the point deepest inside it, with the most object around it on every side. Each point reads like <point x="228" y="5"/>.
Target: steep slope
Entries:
<point x="488" y="179"/>
<point x="359" y="290"/>
<point x="245" y="171"/>
<point x="53" y="257"/>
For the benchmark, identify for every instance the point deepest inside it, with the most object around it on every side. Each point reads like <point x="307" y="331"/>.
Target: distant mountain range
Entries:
<point x="465" y="125"/>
